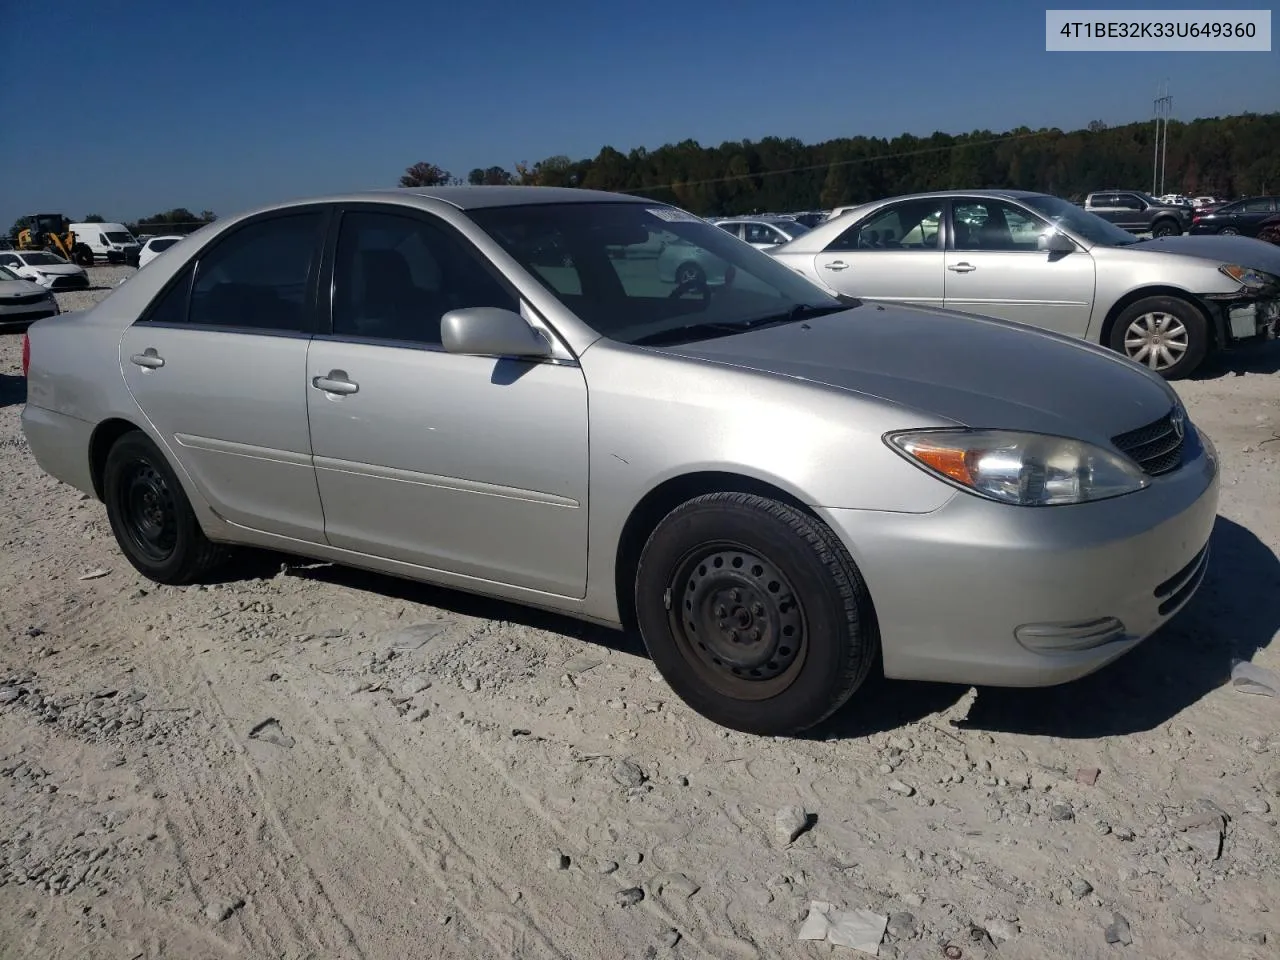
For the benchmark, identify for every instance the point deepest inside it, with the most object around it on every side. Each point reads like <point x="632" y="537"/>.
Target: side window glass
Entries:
<point x="1257" y="206"/>
<point x="258" y="276"/>
<point x="396" y="276"/>
<point x="904" y="226"/>
<point x="1129" y="202"/>
<point x="994" y="225"/>
<point x="171" y="305"/>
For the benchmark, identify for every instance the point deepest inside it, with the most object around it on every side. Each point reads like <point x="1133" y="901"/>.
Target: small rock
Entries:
<point x="1260" y="938"/>
<point x="677" y="885"/>
<point x="9" y="694"/>
<point x="790" y="822"/>
<point x="671" y="938"/>
<point x="581" y="663"/>
<point x="470" y="685"/>
<point x="94" y="574"/>
<point x="415" y="685"/>
<point x="557" y="861"/>
<point x="272" y="677"/>
<point x="629" y="897"/>
<point x="897" y="786"/>
<point x="1001" y="929"/>
<point x="1061" y="811"/>
<point x="1206" y="841"/>
<point x="902" y="926"/>
<point x="606" y="866"/>
<point x="1123" y="833"/>
<point x="634" y="858"/>
<point x="628" y="774"/>
<point x="220" y="910"/>
<point x="1087" y="775"/>
<point x="1118" y="930"/>
<point x="1257" y="805"/>
<point x="1081" y="888"/>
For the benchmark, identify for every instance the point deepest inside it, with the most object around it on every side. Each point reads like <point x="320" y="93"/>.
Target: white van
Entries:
<point x="110" y="242"/>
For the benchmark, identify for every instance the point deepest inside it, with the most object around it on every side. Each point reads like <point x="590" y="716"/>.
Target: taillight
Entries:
<point x="26" y="354"/>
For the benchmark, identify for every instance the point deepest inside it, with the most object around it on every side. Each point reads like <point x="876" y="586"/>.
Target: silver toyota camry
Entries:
<point x="780" y="489"/>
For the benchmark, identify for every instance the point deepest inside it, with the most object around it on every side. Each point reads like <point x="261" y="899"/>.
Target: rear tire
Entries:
<point x="1167" y="335"/>
<point x="1165" y="228"/>
<point x="82" y="255"/>
<point x="151" y="516"/>
<point x="1228" y="232"/>
<point x="754" y="613"/>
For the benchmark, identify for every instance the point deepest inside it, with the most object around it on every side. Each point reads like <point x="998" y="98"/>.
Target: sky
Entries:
<point x="129" y="107"/>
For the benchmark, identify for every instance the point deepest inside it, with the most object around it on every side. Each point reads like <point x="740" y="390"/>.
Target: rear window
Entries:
<point x="158" y="245"/>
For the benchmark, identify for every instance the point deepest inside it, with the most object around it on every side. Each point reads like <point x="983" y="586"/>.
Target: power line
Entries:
<point x="843" y="163"/>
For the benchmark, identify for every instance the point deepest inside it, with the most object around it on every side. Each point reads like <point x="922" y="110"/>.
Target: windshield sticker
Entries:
<point x="673" y="215"/>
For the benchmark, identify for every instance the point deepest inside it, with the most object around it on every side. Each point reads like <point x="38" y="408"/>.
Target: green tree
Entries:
<point x="93" y="218"/>
<point x="424" y="175"/>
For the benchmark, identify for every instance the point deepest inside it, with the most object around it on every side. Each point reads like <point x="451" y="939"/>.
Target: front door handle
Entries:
<point x="148" y="359"/>
<point x="836" y="265"/>
<point x="961" y="267"/>
<point x="336" y="382"/>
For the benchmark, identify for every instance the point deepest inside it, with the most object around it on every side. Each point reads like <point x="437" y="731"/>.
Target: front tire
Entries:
<point x="151" y="516"/>
<point x="1165" y="228"/>
<point x="83" y="256"/>
<point x="1228" y="232"/>
<point x="754" y="613"/>
<point x="1167" y="335"/>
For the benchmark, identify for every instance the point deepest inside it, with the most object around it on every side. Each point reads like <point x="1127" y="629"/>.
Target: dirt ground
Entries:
<point x="302" y="761"/>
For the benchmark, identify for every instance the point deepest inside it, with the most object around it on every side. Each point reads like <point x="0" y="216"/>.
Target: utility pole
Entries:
<point x="1163" y="107"/>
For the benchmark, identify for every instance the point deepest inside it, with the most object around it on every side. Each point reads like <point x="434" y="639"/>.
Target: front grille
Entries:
<point x="1157" y="447"/>
<point x="69" y="283"/>
<point x="25" y="300"/>
<point x="32" y="317"/>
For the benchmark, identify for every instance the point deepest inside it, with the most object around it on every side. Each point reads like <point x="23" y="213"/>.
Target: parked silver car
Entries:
<point x="763" y="232"/>
<point x="775" y="486"/>
<point x="1039" y="260"/>
<point x="23" y="302"/>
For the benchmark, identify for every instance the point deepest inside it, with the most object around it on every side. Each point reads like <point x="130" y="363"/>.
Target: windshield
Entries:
<point x="118" y="237"/>
<point x="634" y="272"/>
<point x="7" y="274"/>
<point x="42" y="260"/>
<point x="1090" y="226"/>
<point x="792" y="228"/>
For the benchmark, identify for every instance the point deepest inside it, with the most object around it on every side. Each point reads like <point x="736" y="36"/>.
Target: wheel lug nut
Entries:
<point x="721" y="611"/>
<point x="758" y="609"/>
<point x="736" y="595"/>
<point x="755" y="634"/>
<point x="722" y="624"/>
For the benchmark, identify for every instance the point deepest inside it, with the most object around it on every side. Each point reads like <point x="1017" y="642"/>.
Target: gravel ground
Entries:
<point x="306" y="761"/>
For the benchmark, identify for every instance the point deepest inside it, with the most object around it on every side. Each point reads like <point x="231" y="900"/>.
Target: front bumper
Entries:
<point x="1246" y="320"/>
<point x="983" y="593"/>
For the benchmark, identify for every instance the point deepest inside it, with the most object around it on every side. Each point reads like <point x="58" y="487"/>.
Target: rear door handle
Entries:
<point x="336" y="382"/>
<point x="836" y="265"/>
<point x="961" y="267"/>
<point x="148" y="359"/>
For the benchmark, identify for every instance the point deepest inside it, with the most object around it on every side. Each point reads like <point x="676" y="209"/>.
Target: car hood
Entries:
<point x="973" y="371"/>
<point x="56" y="270"/>
<point x="19" y="288"/>
<point x="1244" y="251"/>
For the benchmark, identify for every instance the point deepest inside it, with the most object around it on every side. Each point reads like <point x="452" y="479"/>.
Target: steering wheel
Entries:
<point x="696" y="282"/>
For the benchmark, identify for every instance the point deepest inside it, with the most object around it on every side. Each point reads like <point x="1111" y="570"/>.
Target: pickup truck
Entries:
<point x="1138" y="212"/>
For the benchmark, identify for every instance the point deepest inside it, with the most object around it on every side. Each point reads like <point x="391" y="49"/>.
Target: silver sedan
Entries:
<point x="780" y="489"/>
<point x="1036" y="259"/>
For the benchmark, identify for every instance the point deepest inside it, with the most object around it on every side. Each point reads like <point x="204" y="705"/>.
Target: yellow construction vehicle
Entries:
<point x="52" y="232"/>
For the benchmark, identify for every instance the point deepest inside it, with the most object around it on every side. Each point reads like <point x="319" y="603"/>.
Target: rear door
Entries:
<point x="217" y="365"/>
<point x="995" y="269"/>
<point x="893" y="253"/>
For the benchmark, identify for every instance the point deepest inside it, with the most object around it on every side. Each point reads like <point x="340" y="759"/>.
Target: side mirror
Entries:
<point x="1055" y="242"/>
<point x="491" y="332"/>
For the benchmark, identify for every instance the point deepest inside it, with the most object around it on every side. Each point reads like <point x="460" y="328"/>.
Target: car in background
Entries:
<point x="47" y="269"/>
<point x="23" y="302"/>
<point x="1206" y="203"/>
<point x="762" y="232"/>
<point x="1242" y="217"/>
<point x="1039" y="260"/>
<point x="778" y="489"/>
<point x="1137" y="212"/>
<point x="152" y="247"/>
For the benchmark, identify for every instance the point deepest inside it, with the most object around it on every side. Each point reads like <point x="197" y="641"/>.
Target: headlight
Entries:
<point x="1248" y="276"/>
<point x="1026" y="469"/>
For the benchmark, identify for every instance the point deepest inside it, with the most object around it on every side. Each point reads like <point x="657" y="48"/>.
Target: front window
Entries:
<point x="636" y="273"/>
<point x="159" y="246"/>
<point x="42" y="260"/>
<point x="118" y="236"/>
<point x="1087" y="225"/>
<point x="7" y="274"/>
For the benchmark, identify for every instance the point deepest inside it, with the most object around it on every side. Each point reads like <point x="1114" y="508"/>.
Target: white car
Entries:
<point x="763" y="232"/>
<point x="23" y="302"/>
<point x="152" y="247"/>
<point x="47" y="269"/>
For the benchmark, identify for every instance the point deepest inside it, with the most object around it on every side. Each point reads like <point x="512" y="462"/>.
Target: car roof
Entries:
<point x="478" y="198"/>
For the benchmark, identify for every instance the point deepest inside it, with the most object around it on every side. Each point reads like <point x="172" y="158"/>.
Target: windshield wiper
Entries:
<point x="801" y="311"/>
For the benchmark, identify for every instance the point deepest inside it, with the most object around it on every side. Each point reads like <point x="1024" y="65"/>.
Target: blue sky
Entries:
<point x="153" y="104"/>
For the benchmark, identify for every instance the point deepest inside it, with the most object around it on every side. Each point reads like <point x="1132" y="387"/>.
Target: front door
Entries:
<point x="217" y="364"/>
<point x="476" y="466"/>
<point x="994" y="269"/>
<point x="893" y="253"/>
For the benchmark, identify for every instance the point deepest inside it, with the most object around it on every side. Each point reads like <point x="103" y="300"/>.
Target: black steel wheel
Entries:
<point x="1165" y="228"/>
<point x="754" y="612"/>
<point x="151" y="516"/>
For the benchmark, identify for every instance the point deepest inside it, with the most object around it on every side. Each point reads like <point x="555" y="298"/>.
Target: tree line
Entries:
<point x="1219" y="156"/>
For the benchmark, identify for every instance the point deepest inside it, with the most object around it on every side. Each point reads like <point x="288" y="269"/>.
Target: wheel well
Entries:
<point x="1134" y="296"/>
<point x="659" y="502"/>
<point x="104" y="437"/>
